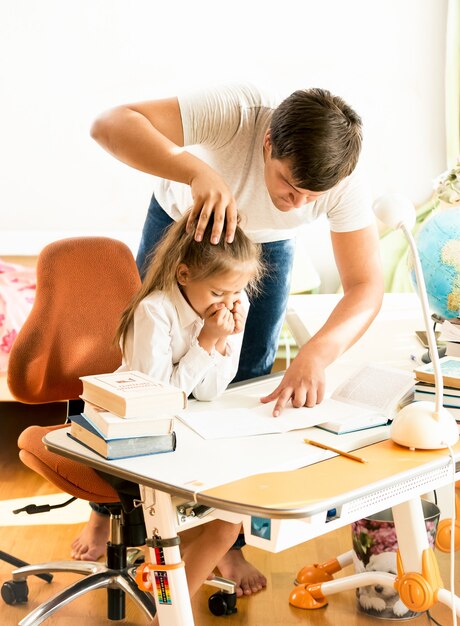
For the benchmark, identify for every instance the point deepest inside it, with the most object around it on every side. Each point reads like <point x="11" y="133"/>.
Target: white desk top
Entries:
<point x="215" y="472"/>
<point x="198" y="464"/>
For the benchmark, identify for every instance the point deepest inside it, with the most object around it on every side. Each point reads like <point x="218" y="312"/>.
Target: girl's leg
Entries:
<point x="203" y="547"/>
<point x="266" y="313"/>
<point x="249" y="579"/>
<point x="232" y="565"/>
<point x="91" y="543"/>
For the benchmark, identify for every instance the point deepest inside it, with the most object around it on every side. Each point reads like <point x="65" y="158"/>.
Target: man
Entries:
<point x="238" y="153"/>
<point x="276" y="166"/>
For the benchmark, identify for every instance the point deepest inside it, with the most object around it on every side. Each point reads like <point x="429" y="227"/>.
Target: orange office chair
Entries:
<point x="83" y="285"/>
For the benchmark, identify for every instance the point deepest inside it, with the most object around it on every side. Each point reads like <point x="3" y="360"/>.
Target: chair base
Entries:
<point x="118" y="582"/>
<point x="13" y="560"/>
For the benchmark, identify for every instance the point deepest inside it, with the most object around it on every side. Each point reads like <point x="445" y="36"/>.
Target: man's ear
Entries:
<point x="267" y="141"/>
<point x="182" y="274"/>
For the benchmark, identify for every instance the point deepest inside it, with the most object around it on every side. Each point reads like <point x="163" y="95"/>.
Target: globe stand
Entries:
<point x="426" y="357"/>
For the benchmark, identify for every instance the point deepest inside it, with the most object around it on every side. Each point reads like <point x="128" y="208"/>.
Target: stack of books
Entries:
<point x="127" y="414"/>
<point x="425" y="389"/>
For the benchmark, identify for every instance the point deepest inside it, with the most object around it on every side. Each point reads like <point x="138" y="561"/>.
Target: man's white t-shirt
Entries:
<point x="225" y="127"/>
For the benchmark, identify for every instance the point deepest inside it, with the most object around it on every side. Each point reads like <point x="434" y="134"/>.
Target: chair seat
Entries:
<point x="74" y="478"/>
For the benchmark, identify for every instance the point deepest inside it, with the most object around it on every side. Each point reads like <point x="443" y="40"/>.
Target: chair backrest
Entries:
<point x="83" y="285"/>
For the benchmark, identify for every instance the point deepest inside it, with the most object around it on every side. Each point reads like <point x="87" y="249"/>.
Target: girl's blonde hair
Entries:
<point x="203" y="259"/>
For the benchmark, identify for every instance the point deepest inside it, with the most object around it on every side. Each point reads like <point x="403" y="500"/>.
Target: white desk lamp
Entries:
<point x="424" y="425"/>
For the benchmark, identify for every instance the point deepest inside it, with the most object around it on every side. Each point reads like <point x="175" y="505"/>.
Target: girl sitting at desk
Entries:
<point x="185" y="327"/>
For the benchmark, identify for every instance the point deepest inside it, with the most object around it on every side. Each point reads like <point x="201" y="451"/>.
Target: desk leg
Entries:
<point x="411" y="533"/>
<point x="169" y="584"/>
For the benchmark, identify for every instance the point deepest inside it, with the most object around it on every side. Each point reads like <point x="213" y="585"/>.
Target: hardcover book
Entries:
<point x="453" y="348"/>
<point x="430" y="388"/>
<point x="455" y="410"/>
<point x="84" y="432"/>
<point x="450" y="335"/>
<point x="133" y="394"/>
<point x="426" y="391"/>
<point x="111" y="425"/>
<point x="450" y="369"/>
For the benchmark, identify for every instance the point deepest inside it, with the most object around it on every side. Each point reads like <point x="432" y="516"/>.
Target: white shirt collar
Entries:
<point x="187" y="316"/>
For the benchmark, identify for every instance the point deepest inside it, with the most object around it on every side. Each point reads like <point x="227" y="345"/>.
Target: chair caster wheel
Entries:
<point x="15" y="592"/>
<point x="222" y="603"/>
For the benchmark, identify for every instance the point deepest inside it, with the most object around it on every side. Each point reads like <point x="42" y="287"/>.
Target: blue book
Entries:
<point x="447" y="399"/>
<point x="119" y="448"/>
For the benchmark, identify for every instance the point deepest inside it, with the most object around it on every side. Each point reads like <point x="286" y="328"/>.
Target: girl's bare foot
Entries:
<point x="91" y="544"/>
<point x="234" y="566"/>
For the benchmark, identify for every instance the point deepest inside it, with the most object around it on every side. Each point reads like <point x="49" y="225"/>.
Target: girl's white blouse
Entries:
<point x="162" y="342"/>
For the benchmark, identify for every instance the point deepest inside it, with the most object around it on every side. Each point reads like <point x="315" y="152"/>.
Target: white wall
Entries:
<point x="64" y="62"/>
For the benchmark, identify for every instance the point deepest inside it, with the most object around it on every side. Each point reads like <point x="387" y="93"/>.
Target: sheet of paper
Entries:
<point x="258" y="420"/>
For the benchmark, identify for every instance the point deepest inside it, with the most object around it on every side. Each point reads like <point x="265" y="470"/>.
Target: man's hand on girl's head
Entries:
<point x="211" y="195"/>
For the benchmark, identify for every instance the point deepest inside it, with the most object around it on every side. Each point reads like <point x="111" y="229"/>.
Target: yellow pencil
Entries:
<point x="341" y="452"/>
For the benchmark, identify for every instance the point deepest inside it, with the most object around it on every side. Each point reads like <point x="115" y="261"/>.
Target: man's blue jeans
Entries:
<point x="266" y="313"/>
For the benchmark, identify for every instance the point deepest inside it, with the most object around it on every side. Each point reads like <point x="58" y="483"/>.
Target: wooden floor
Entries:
<point x="268" y="608"/>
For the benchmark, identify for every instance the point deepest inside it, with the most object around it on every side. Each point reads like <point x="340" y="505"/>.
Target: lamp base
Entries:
<point x="417" y="427"/>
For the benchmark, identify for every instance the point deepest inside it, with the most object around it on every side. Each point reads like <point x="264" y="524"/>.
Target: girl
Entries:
<point x="185" y="326"/>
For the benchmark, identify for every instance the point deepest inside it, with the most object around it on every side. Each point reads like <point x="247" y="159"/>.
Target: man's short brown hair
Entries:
<point x="319" y="134"/>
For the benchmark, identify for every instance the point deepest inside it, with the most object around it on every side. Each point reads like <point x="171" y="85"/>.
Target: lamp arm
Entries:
<point x="439" y="386"/>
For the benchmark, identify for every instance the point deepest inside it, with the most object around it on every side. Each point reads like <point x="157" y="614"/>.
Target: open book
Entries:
<point x="370" y="397"/>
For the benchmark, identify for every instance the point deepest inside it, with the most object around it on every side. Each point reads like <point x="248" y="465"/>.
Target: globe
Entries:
<point x="438" y="243"/>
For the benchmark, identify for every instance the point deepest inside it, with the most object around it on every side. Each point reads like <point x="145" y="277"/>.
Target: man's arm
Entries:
<point x="357" y="257"/>
<point x="149" y="137"/>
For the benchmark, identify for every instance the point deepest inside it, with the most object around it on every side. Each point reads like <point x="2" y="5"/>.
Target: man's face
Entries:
<point x="280" y="186"/>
